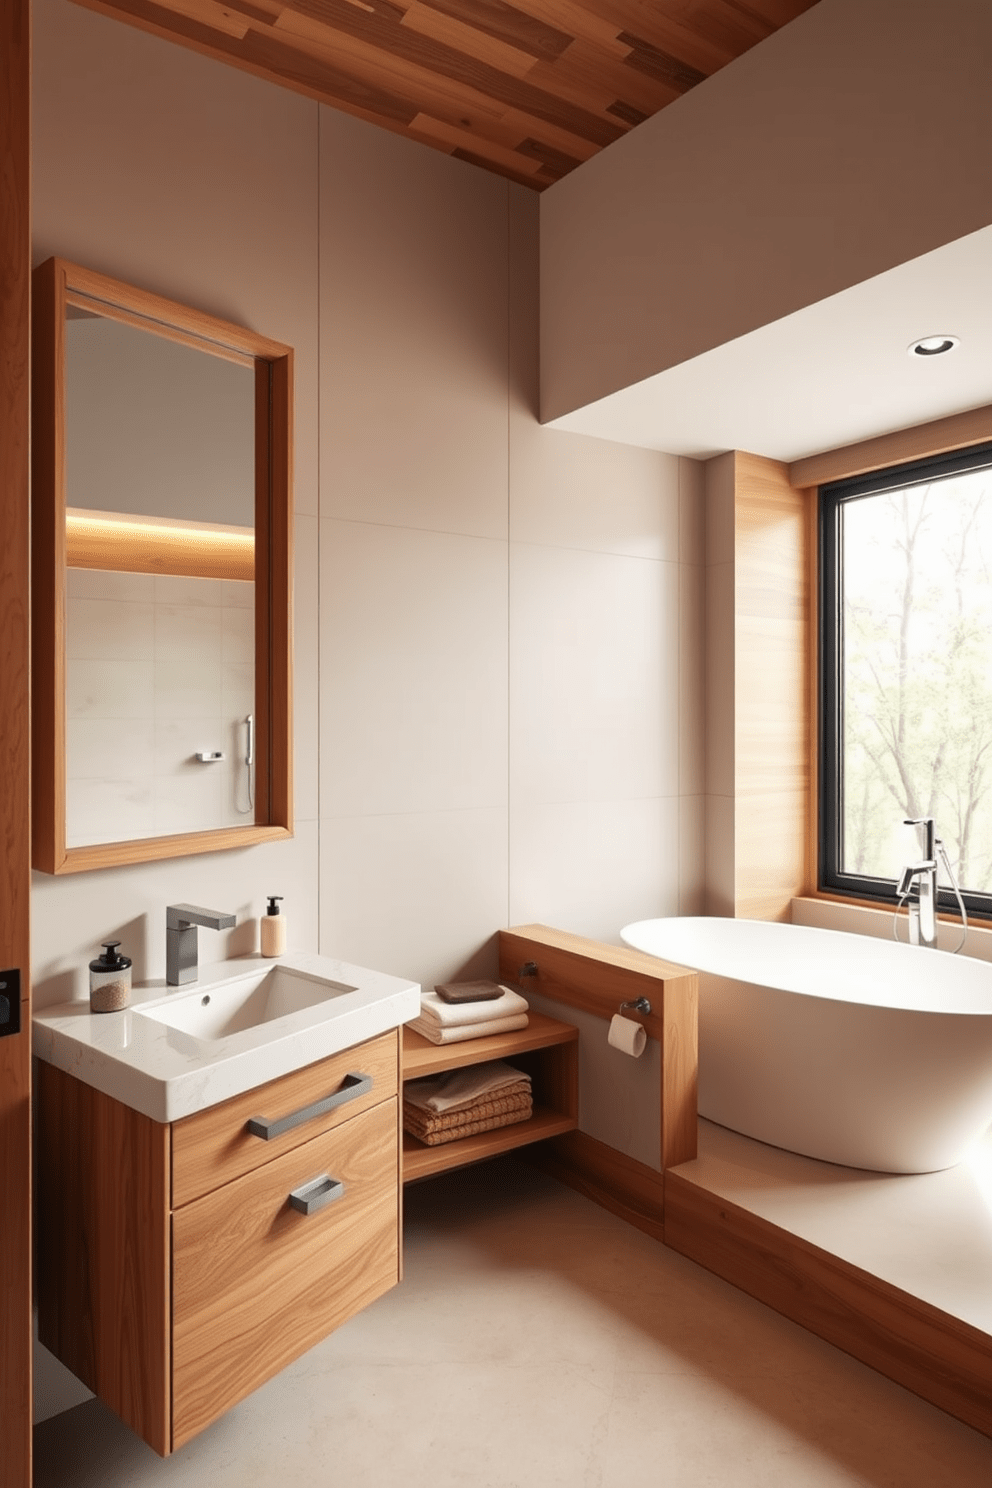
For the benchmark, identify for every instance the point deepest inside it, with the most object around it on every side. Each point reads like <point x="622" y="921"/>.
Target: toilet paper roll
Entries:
<point x="627" y="1036"/>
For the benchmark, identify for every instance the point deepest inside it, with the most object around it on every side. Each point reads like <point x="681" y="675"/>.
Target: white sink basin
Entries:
<point x="247" y="1002"/>
<point x="174" y="1052"/>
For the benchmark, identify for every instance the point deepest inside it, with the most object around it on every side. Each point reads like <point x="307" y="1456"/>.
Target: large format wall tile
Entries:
<point x="413" y="663"/>
<point x="413" y="334"/>
<point x="594" y="866"/>
<point x="306" y="668"/>
<point x="576" y="492"/>
<point x="594" y="679"/>
<point x="419" y="895"/>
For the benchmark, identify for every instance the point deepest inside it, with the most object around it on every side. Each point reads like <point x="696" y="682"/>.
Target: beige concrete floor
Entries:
<point x="538" y="1341"/>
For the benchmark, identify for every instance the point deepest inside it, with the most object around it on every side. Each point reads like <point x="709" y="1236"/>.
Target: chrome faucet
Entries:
<point x="181" y="921"/>
<point x="922" y="910"/>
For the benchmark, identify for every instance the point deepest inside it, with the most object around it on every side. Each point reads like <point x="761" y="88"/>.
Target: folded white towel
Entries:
<point x="457" y="1089"/>
<point x="460" y="1014"/>
<point x="438" y="1035"/>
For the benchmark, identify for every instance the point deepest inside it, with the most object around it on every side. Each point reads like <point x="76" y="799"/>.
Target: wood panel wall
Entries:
<point x="772" y="639"/>
<point x="759" y="687"/>
<point x="15" y="857"/>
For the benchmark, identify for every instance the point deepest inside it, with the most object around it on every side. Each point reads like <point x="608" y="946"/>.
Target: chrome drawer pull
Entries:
<point x="310" y="1197"/>
<point x="351" y="1088"/>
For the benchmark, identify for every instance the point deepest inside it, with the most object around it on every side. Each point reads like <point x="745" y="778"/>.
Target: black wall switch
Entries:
<point x="10" y="1002"/>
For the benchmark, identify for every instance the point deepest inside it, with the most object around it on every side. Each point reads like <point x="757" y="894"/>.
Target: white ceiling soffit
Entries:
<point x="832" y="373"/>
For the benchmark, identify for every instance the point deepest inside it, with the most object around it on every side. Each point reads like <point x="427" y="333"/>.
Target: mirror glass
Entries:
<point x="160" y="584"/>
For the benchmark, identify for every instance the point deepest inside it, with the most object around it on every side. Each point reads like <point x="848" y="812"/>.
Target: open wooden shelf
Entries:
<point x="546" y="1049"/>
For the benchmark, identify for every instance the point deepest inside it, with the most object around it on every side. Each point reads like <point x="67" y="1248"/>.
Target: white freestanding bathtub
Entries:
<point x="842" y="1047"/>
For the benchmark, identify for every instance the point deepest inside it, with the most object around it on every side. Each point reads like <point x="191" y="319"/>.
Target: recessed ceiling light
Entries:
<point x="932" y="345"/>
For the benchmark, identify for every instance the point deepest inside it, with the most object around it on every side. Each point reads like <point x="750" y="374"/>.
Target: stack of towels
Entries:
<point x="442" y="1108"/>
<point x="450" y="1022"/>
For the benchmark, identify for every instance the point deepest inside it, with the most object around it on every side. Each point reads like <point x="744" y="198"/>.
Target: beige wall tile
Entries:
<point x="419" y="895"/>
<point x="721" y="885"/>
<point x="106" y="809"/>
<point x="569" y="490"/>
<point x="692" y="855"/>
<point x="95" y="690"/>
<point x="720" y="520"/>
<point x="593" y="676"/>
<point x="594" y="866"/>
<point x="414" y="334"/>
<point x="692" y="510"/>
<point x="109" y="630"/>
<point x="720" y="726"/>
<point x="692" y="679"/>
<point x="413" y="670"/>
<point x="107" y="746"/>
<point x="306" y="670"/>
<point x="101" y="583"/>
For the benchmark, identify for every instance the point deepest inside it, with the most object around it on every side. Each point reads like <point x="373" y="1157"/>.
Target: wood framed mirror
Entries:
<point x="161" y="577"/>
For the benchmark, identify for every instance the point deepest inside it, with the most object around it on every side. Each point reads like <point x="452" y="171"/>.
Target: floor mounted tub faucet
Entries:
<point x="922" y="910"/>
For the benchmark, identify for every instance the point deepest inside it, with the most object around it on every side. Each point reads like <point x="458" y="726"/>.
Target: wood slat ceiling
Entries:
<point x="529" y="90"/>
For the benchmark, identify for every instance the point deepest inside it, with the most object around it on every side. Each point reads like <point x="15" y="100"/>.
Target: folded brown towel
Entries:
<point x="418" y="1122"/>
<point x="460" y="1089"/>
<point x="488" y="1123"/>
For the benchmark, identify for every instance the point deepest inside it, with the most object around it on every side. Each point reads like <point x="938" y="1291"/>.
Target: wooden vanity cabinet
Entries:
<point x="174" y="1273"/>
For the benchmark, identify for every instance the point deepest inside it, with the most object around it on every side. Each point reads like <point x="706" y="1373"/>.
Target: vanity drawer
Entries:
<point x="215" y="1146"/>
<point x="256" y="1283"/>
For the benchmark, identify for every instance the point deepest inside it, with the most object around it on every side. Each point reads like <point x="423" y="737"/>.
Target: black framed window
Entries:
<point x="906" y="674"/>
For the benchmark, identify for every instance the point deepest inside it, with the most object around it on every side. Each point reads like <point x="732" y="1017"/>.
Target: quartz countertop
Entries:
<point x="167" y="1074"/>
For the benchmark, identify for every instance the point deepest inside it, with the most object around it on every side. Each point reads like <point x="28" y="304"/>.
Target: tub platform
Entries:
<point x="893" y="1269"/>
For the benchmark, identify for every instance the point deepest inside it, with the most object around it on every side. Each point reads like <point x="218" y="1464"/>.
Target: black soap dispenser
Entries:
<point x="273" y="928"/>
<point x="110" y="980"/>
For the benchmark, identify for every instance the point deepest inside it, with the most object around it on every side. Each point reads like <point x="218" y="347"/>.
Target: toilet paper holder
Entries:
<point x="639" y="1004"/>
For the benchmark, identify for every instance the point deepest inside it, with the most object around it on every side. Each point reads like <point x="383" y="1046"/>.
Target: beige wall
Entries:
<point x="498" y="627"/>
<point x="854" y="139"/>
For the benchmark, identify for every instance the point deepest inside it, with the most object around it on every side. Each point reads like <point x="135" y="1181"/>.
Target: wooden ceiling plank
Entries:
<point x="438" y="131"/>
<point x="542" y="178"/>
<point x="424" y="89"/>
<point x="513" y="24"/>
<point x="429" y="22"/>
<point x="660" y="65"/>
<point x="435" y="57"/>
<point x="526" y="89"/>
<point x="574" y="17"/>
<point x="521" y="126"/>
<point x="264" y="11"/>
<point x="780" y="12"/>
<point x="729" y="23"/>
<point x="625" y="111"/>
<point x="555" y="160"/>
<point x="664" y="24"/>
<point x="218" y="17"/>
<point x="266" y="57"/>
<point x="587" y="74"/>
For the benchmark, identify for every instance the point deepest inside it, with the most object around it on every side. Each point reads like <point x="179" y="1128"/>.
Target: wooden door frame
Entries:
<point x="16" y="1345"/>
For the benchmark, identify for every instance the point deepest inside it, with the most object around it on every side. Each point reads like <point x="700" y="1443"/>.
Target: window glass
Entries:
<point x="907" y="664"/>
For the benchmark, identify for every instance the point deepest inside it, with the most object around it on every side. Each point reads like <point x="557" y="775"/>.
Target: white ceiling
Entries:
<point x="831" y="374"/>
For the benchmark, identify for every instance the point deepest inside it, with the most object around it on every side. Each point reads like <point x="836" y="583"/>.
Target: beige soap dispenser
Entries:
<point x="273" y="928"/>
